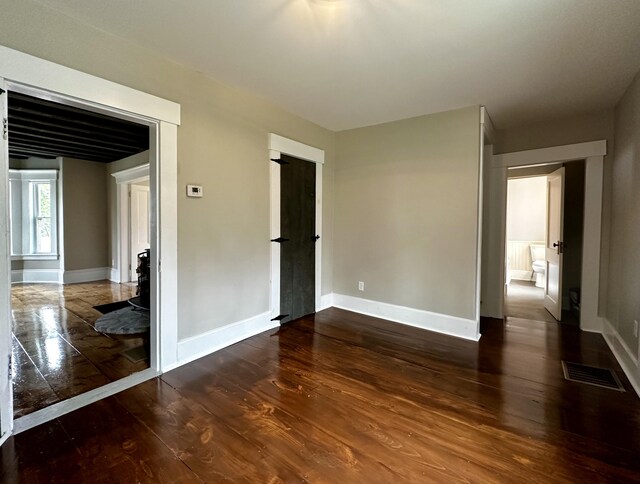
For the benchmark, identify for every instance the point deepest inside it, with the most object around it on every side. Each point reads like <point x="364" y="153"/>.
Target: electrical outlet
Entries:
<point x="635" y="328"/>
<point x="360" y="286"/>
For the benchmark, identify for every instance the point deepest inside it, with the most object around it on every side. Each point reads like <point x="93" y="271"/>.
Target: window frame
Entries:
<point x="28" y="180"/>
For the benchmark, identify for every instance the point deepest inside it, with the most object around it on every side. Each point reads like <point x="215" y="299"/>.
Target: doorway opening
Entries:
<point x="73" y="330"/>
<point x="25" y="74"/>
<point x="544" y="242"/>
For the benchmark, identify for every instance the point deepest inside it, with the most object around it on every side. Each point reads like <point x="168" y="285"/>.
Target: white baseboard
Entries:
<point x="86" y="275"/>
<point x="36" y="275"/>
<point x="441" y="323"/>
<point x="326" y="301"/>
<point x="628" y="361"/>
<point x="114" y="275"/>
<point x="198" y="346"/>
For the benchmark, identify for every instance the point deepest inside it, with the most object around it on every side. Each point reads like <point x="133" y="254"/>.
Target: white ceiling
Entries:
<point x="351" y="63"/>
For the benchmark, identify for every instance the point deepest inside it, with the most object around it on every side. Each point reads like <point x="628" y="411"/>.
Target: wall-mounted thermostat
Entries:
<point x="194" y="191"/>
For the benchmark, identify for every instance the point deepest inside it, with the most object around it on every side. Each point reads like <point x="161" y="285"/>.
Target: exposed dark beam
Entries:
<point x="22" y="127"/>
<point x="48" y="140"/>
<point x="69" y="119"/>
<point x="61" y="151"/>
<point x="93" y="132"/>
<point x="43" y="104"/>
<point x="47" y="156"/>
<point x="62" y="148"/>
<point x="38" y="127"/>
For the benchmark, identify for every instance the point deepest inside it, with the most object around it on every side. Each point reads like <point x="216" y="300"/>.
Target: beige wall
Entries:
<point x="223" y="238"/>
<point x="406" y="212"/>
<point x="526" y="208"/>
<point x="577" y="129"/>
<point x="84" y="212"/>
<point x="623" y="297"/>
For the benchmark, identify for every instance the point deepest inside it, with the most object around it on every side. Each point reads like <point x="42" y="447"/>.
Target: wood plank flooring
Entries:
<point x="341" y="397"/>
<point x="57" y="352"/>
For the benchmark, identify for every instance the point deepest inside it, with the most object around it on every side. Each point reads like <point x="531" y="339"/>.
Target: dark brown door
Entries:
<point x="298" y="225"/>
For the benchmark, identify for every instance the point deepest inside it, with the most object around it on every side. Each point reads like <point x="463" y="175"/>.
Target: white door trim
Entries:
<point x="49" y="76"/>
<point x="593" y="153"/>
<point x="133" y="255"/>
<point x="124" y="179"/>
<point x="28" y="74"/>
<point x="6" y="388"/>
<point x="279" y="145"/>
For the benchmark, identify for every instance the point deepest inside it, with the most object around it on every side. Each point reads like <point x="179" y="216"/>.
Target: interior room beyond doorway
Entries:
<point x="57" y="351"/>
<point x="526" y="251"/>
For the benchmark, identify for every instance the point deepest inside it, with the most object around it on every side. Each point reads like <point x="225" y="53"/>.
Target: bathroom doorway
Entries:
<point x="526" y="252"/>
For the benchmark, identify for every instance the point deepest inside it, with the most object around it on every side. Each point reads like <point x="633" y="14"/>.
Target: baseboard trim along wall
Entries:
<point x="114" y="275"/>
<point x="36" y="275"/>
<point x="628" y="361"/>
<point x="195" y="347"/>
<point x="86" y="275"/>
<point x="441" y="323"/>
<point x="326" y="301"/>
<point x="191" y="349"/>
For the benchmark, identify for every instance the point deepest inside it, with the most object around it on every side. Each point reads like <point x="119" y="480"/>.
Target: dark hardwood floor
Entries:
<point x="57" y="352"/>
<point x="340" y="397"/>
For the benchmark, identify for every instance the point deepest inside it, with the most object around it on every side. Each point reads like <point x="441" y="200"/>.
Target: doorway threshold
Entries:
<point x="66" y="406"/>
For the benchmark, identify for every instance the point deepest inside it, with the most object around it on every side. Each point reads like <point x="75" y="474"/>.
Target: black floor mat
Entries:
<point x="114" y="306"/>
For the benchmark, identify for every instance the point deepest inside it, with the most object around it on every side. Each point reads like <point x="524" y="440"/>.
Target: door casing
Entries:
<point x="135" y="224"/>
<point x="593" y="153"/>
<point x="30" y="75"/>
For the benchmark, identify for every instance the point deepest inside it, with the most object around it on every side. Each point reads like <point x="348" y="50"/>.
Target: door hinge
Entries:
<point x="158" y="265"/>
<point x="280" y="317"/>
<point x="10" y="368"/>
<point x="5" y="128"/>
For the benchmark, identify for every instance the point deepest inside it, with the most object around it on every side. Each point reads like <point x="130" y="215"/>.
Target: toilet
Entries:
<point x="538" y="265"/>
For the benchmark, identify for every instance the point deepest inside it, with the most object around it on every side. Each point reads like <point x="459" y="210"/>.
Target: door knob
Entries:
<point x="560" y="246"/>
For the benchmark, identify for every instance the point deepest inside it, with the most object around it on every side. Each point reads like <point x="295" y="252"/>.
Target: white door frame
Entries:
<point x="593" y="153"/>
<point x="6" y="388"/>
<point x="279" y="145"/>
<point x="133" y="255"/>
<point x="124" y="179"/>
<point x="31" y="75"/>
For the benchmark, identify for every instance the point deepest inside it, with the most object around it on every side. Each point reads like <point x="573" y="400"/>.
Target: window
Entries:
<point x="33" y="195"/>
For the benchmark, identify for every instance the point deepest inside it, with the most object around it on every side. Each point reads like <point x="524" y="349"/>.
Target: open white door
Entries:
<point x="139" y="220"/>
<point x="6" y="389"/>
<point x="554" y="243"/>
